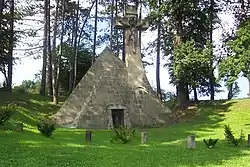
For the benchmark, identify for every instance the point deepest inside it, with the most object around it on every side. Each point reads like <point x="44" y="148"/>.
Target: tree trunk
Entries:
<point x="248" y="87"/>
<point x="212" y="91"/>
<point x="116" y="34"/>
<point x="75" y="46"/>
<point x="112" y="23"/>
<point x="1" y="10"/>
<point x="212" y="77"/>
<point x="83" y="25"/>
<point x="11" y="43"/>
<point x="187" y="92"/>
<point x="61" y="48"/>
<point x="195" y="94"/>
<point x="230" y="92"/>
<point x="95" y="32"/>
<point x="45" y="42"/>
<point x="158" y="84"/>
<point x="182" y="101"/>
<point x="181" y="90"/>
<point x="72" y="59"/>
<point x="54" y="55"/>
<point x="123" y="43"/>
<point x="49" y="82"/>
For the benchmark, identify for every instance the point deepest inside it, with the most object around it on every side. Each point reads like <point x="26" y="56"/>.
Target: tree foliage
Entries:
<point x="239" y="60"/>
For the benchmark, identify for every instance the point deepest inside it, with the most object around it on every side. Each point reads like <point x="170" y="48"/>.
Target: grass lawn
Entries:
<point x="166" y="146"/>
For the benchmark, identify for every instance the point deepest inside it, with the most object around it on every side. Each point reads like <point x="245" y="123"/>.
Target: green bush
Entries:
<point x="19" y="89"/>
<point x="210" y="143"/>
<point x="123" y="135"/>
<point x="230" y="137"/>
<point x="5" y="114"/>
<point x="46" y="127"/>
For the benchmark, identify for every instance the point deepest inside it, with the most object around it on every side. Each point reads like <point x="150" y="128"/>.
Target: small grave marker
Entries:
<point x="19" y="127"/>
<point x="88" y="136"/>
<point x="191" y="142"/>
<point x="144" y="137"/>
<point x="248" y="139"/>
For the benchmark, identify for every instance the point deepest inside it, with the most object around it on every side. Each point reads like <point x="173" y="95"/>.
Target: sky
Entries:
<point x="28" y="66"/>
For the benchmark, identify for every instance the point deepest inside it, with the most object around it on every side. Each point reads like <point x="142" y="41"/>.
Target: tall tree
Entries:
<point x="54" y="55"/>
<point x="111" y="26"/>
<point x="95" y="31"/>
<point x="11" y="45"/>
<point x="45" y="49"/>
<point x="158" y="56"/>
<point x="1" y="10"/>
<point x="49" y="76"/>
<point x="75" y="43"/>
<point x="238" y="61"/>
<point x="61" y="46"/>
<point x="212" y="77"/>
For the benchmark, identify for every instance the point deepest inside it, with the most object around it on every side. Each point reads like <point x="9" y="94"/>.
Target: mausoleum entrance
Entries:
<point x="117" y="117"/>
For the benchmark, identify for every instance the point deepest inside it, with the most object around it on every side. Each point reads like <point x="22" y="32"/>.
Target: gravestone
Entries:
<point x="248" y="139"/>
<point x="88" y="136"/>
<point x="144" y="137"/>
<point x="112" y="92"/>
<point x="191" y="142"/>
<point x="19" y="127"/>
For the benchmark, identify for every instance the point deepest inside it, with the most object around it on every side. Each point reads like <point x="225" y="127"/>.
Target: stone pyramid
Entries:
<point x="105" y="98"/>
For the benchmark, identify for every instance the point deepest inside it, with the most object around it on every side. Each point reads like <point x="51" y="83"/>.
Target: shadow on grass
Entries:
<point x="166" y="146"/>
<point x="29" y="108"/>
<point x="69" y="148"/>
<point x="206" y="117"/>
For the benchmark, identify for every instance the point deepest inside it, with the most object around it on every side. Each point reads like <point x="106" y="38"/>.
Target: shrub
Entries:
<point x="19" y="89"/>
<point x="210" y="143"/>
<point x="46" y="127"/>
<point x="230" y="137"/>
<point x="123" y="135"/>
<point x="5" y="114"/>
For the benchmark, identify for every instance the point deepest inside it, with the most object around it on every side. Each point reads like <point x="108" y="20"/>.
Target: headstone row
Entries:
<point x="191" y="144"/>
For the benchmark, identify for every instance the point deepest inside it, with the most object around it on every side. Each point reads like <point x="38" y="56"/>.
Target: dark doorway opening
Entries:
<point x="118" y="117"/>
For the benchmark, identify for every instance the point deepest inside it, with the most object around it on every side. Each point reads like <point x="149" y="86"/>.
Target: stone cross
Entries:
<point x="131" y="24"/>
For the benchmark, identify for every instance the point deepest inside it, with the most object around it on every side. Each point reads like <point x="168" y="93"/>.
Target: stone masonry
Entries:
<point x="105" y="87"/>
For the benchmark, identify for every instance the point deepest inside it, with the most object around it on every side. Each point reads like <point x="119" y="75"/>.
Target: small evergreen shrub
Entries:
<point x="46" y="127"/>
<point x="230" y="137"/>
<point x="123" y="135"/>
<point x="210" y="143"/>
<point x="5" y="114"/>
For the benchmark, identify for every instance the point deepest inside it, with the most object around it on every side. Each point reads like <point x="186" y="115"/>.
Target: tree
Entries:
<point x="233" y="90"/>
<point x="238" y="61"/>
<point x="54" y="55"/>
<point x="158" y="56"/>
<point x="45" y="51"/>
<point x="7" y="41"/>
<point x="95" y="30"/>
<point x="191" y="64"/>
<point x="83" y="64"/>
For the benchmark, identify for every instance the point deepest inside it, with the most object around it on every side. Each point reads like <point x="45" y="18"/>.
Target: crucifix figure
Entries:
<point x="132" y="25"/>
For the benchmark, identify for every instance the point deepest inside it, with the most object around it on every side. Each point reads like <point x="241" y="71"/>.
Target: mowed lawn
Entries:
<point x="166" y="146"/>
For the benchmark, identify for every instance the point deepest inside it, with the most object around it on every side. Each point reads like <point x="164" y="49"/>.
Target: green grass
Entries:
<point x="166" y="146"/>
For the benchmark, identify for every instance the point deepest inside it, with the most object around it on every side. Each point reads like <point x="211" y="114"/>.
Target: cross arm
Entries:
<point x="121" y="23"/>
